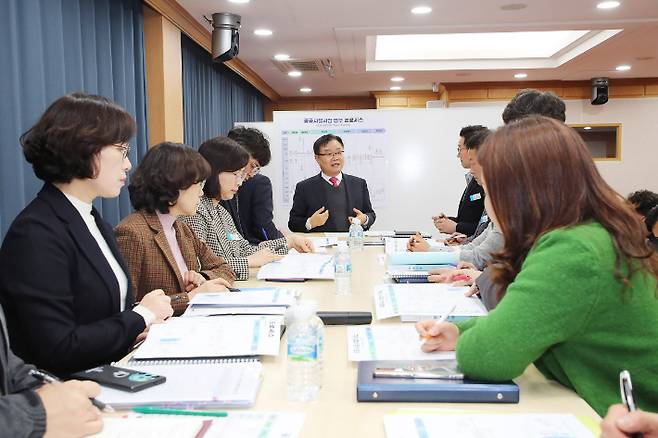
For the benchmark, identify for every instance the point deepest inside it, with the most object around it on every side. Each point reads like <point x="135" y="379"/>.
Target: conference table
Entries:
<point x="336" y="413"/>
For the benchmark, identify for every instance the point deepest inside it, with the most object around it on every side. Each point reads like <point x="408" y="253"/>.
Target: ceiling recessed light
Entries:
<point x="513" y="6"/>
<point x="397" y="79"/>
<point x="305" y="90"/>
<point x="420" y="10"/>
<point x="623" y="67"/>
<point x="587" y="128"/>
<point x="608" y="5"/>
<point x="281" y="57"/>
<point x="263" y="32"/>
<point x="521" y="75"/>
<point x="294" y="74"/>
<point x="238" y="1"/>
<point x="395" y="88"/>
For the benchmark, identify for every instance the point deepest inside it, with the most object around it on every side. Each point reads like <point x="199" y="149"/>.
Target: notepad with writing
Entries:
<point x="201" y="383"/>
<point x="382" y="389"/>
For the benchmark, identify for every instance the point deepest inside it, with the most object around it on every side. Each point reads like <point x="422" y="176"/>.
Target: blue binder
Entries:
<point x="377" y="389"/>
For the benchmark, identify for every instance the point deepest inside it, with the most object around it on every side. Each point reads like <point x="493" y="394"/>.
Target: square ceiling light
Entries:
<point x="490" y="50"/>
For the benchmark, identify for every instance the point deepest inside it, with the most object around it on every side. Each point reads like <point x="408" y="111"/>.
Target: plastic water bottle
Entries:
<point x="305" y="351"/>
<point x="355" y="238"/>
<point x="343" y="270"/>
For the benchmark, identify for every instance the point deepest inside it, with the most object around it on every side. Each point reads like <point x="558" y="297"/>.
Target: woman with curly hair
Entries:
<point x="577" y="280"/>
<point x="159" y="249"/>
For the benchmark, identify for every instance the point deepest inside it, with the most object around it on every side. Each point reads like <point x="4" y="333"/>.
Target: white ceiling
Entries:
<point x="337" y="29"/>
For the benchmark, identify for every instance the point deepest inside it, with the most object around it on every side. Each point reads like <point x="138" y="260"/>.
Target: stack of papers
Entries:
<point x="209" y="384"/>
<point x="414" y="302"/>
<point x="467" y="425"/>
<point x="253" y="301"/>
<point x="296" y="266"/>
<point x="225" y="336"/>
<point x="388" y="342"/>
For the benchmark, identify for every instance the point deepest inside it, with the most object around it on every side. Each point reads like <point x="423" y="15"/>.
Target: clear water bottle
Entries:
<point x="343" y="270"/>
<point x="305" y="351"/>
<point x="355" y="238"/>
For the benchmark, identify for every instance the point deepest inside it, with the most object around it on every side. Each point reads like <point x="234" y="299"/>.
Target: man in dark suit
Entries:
<point x="471" y="204"/>
<point x="252" y="208"/>
<point x="329" y="200"/>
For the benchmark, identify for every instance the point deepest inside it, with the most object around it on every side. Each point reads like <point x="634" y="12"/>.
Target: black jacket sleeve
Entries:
<point x="367" y="207"/>
<point x="262" y="211"/>
<point x="22" y="413"/>
<point x="299" y="211"/>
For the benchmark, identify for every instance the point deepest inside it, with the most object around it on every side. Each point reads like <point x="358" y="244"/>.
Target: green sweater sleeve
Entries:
<point x="551" y="299"/>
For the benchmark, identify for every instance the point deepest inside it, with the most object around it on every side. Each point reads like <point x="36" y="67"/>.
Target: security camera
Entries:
<point x="599" y="91"/>
<point x="225" y="36"/>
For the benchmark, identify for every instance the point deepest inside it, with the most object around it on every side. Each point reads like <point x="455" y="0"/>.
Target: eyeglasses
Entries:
<point x="255" y="167"/>
<point x="124" y="148"/>
<point x="239" y="175"/>
<point x="332" y="154"/>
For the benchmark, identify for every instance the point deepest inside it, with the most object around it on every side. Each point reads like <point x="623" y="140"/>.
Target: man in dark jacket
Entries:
<point x="471" y="204"/>
<point x="329" y="200"/>
<point x="252" y="209"/>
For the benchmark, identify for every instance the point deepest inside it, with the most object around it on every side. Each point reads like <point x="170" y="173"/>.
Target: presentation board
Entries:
<point x="408" y="158"/>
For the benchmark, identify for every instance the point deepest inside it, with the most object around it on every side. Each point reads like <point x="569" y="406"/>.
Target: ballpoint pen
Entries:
<point x="626" y="390"/>
<point x="44" y="377"/>
<point x="443" y="318"/>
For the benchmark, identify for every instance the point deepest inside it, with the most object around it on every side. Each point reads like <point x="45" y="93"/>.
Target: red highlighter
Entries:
<point x="461" y="277"/>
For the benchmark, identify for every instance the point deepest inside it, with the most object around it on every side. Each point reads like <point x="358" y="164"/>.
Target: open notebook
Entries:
<point x="193" y="383"/>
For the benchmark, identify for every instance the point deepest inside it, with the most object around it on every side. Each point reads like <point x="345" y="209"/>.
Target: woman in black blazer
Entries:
<point x="63" y="283"/>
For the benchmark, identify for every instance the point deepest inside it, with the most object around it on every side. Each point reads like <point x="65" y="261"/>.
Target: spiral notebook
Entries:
<point x="212" y="383"/>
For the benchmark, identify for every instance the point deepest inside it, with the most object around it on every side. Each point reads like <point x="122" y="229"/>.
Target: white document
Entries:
<point x="377" y="233"/>
<point x="266" y="296"/>
<point x="192" y="384"/>
<point x="429" y="300"/>
<point x="321" y="242"/>
<point x="193" y="311"/>
<point x="152" y="426"/>
<point x="388" y="342"/>
<point x="182" y="338"/>
<point x="234" y="425"/>
<point x="302" y="266"/>
<point x="485" y="426"/>
<point x="257" y="425"/>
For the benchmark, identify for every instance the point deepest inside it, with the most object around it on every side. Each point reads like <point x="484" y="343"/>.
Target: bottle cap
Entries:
<point x="356" y="221"/>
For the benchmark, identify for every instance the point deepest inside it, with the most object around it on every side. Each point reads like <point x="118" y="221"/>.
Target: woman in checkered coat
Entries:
<point x="214" y="225"/>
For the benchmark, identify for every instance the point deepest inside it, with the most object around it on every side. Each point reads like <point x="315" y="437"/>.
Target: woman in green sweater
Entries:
<point x="577" y="279"/>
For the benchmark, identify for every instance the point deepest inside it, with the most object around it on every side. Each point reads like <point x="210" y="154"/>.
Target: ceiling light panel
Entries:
<point x="459" y="46"/>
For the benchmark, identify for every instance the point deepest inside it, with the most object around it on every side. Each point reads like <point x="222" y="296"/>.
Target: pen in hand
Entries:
<point x="443" y="318"/>
<point x="47" y="378"/>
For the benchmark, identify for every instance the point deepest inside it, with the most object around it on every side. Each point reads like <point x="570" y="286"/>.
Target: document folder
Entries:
<point x="382" y="389"/>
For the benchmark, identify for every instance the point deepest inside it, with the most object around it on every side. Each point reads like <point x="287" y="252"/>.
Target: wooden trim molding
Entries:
<point x="482" y="91"/>
<point x="318" y="103"/>
<point x="179" y="17"/>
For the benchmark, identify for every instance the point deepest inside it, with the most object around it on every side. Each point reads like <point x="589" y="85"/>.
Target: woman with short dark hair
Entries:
<point x="159" y="249"/>
<point x="214" y="225"/>
<point x="577" y="281"/>
<point x="63" y="282"/>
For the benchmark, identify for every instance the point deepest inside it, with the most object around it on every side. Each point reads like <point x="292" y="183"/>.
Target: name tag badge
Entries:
<point x="231" y="236"/>
<point x="484" y="218"/>
<point x="475" y="196"/>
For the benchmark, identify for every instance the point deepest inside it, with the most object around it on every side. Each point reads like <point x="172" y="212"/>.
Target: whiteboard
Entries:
<point x="421" y="170"/>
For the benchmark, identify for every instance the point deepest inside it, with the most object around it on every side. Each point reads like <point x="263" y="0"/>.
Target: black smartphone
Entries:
<point x="123" y="379"/>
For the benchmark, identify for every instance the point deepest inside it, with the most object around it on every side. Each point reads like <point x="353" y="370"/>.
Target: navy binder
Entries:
<point x="378" y="389"/>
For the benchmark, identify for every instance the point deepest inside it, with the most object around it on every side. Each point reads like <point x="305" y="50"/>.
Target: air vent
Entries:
<point x="303" y="65"/>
